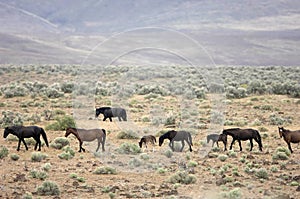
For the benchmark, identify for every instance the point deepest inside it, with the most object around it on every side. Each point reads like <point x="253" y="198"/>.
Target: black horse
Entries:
<point x="177" y="136"/>
<point x="26" y="132"/>
<point x="216" y="138"/>
<point x="244" y="134"/>
<point x="109" y="112"/>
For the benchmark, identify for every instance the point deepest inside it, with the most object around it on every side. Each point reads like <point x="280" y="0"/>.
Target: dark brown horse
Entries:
<point x="146" y="140"/>
<point x="289" y="136"/>
<point x="216" y="138"/>
<point x="26" y="132"/>
<point x="177" y="136"/>
<point x="88" y="135"/>
<point x="242" y="135"/>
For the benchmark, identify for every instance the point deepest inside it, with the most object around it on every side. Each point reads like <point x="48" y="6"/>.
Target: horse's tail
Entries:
<point x="124" y="114"/>
<point x="104" y="135"/>
<point x="44" y="136"/>
<point x="190" y="138"/>
<point x="259" y="139"/>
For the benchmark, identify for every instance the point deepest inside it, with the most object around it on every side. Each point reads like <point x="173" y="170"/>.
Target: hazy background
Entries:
<point x="233" y="32"/>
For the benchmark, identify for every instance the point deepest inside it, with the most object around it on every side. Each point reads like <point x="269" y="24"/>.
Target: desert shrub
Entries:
<point x="127" y="135"/>
<point x="127" y="148"/>
<point x="161" y="170"/>
<point x="46" y="166"/>
<point x="105" y="170"/>
<point x="27" y="195"/>
<point x="257" y="87"/>
<point x="262" y="173"/>
<point x="232" y="154"/>
<point x="62" y="123"/>
<point x="59" y="142"/>
<point x="67" y="87"/>
<point x="277" y="120"/>
<point x="233" y="194"/>
<point x="53" y="93"/>
<point x="281" y="153"/>
<point x="3" y="152"/>
<point x="144" y="156"/>
<point x="67" y="153"/>
<point x="222" y="157"/>
<point x="182" y="178"/>
<point x="38" y="156"/>
<point x="232" y="92"/>
<point x="41" y="175"/>
<point x="135" y="162"/>
<point x="192" y="163"/>
<point x="11" y="119"/>
<point x="168" y="153"/>
<point x="14" y="157"/>
<point x="170" y="121"/>
<point x="294" y="183"/>
<point x="274" y="169"/>
<point x="48" y="188"/>
<point x="14" y="90"/>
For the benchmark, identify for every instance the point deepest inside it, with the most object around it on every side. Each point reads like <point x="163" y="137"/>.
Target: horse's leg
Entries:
<point x="233" y="140"/>
<point x="119" y="118"/>
<point x="240" y="143"/>
<point x="225" y="145"/>
<point x="103" y="149"/>
<point x="190" y="144"/>
<point x="213" y="143"/>
<point x="171" y="145"/>
<point x="98" y="144"/>
<point x="251" y="144"/>
<point x="217" y="144"/>
<point x="289" y="144"/>
<point x="182" y="145"/>
<point x="19" y="143"/>
<point x="259" y="143"/>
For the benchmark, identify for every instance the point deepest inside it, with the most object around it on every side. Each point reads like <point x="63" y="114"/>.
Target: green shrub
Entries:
<point x="144" y="156"/>
<point x="48" y="188"/>
<point x="11" y="119"/>
<point x="38" y="156"/>
<point x="262" y="173"/>
<point x="232" y="154"/>
<point x="14" y="157"/>
<point x="233" y="194"/>
<point x="192" y="163"/>
<point x="281" y="153"/>
<point x="59" y="142"/>
<point x="135" y="162"/>
<point x="222" y="157"/>
<point x="127" y="135"/>
<point x="182" y="178"/>
<point x="294" y="183"/>
<point x="168" y="153"/>
<point x="3" y="152"/>
<point x="67" y="154"/>
<point x="41" y="175"/>
<point x="128" y="148"/>
<point x="161" y="170"/>
<point x="62" y="123"/>
<point x="46" y="166"/>
<point x="105" y="170"/>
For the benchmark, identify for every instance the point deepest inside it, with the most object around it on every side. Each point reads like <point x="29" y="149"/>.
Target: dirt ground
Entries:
<point x="150" y="177"/>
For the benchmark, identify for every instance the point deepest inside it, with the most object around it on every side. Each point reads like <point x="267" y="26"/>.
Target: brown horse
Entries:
<point x="147" y="139"/>
<point x="289" y="136"/>
<point x="88" y="135"/>
<point x="242" y="135"/>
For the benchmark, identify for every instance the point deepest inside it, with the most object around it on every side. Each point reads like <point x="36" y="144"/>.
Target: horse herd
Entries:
<point x="88" y="135"/>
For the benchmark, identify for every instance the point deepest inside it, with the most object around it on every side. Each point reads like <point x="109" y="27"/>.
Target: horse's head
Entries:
<point x="140" y="143"/>
<point x="68" y="131"/>
<point x="97" y="112"/>
<point x="160" y="141"/>
<point x="6" y="132"/>
<point x="280" y="130"/>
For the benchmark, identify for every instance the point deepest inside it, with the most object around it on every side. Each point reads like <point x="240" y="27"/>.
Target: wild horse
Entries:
<point x="26" y="132"/>
<point x="88" y="135"/>
<point x="177" y="136"/>
<point x="109" y="112"/>
<point x="146" y="140"/>
<point x="242" y="135"/>
<point x="216" y="138"/>
<point x="289" y="136"/>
